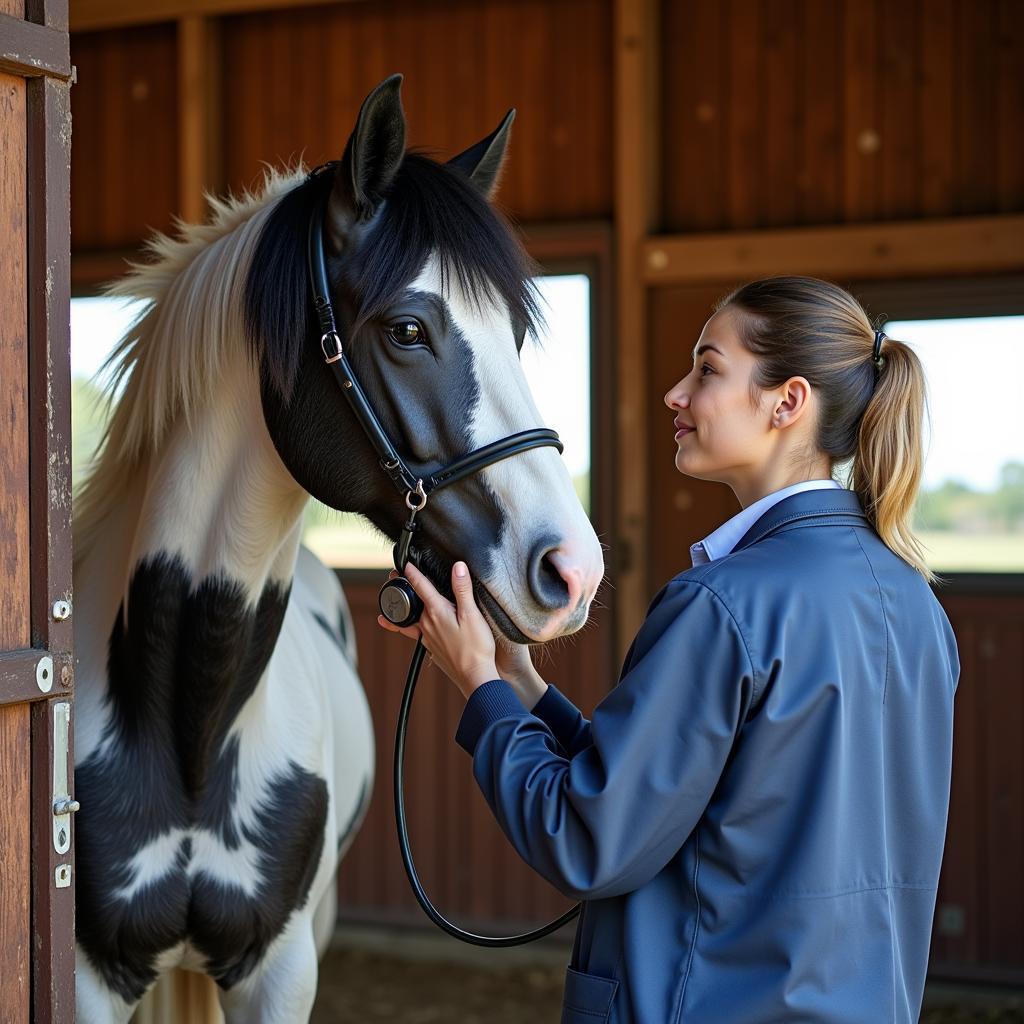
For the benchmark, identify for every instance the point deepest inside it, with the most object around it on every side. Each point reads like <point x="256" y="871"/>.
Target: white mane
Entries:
<point x="172" y="356"/>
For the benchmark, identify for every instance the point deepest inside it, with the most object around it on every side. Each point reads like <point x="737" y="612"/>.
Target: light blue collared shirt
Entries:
<point x="731" y="532"/>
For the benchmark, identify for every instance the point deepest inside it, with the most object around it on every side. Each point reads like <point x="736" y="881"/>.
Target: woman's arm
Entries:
<point x="543" y="700"/>
<point x="609" y="817"/>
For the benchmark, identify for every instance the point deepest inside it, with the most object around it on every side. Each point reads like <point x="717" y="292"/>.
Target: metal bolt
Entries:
<point x="65" y="805"/>
<point x="61" y="611"/>
<point x="44" y="674"/>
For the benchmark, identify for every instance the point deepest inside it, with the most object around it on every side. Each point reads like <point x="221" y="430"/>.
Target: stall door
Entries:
<point x="36" y="851"/>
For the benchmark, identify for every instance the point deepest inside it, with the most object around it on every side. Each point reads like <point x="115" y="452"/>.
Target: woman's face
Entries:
<point x="724" y="437"/>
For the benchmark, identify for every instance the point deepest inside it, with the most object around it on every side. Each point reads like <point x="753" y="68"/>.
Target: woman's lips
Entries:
<point x="683" y="431"/>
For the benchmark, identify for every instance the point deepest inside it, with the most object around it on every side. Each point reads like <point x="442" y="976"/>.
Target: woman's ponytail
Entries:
<point x="872" y="398"/>
<point x="889" y="460"/>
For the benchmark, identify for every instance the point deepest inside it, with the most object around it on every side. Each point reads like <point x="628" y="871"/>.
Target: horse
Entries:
<point x="223" y="744"/>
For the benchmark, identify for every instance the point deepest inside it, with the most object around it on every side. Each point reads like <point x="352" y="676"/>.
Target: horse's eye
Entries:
<point x="407" y="332"/>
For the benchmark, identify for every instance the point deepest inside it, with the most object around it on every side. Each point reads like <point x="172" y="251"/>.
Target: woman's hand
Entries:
<point x="457" y="635"/>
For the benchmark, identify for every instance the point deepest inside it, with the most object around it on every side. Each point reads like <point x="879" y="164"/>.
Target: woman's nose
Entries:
<point x="677" y="396"/>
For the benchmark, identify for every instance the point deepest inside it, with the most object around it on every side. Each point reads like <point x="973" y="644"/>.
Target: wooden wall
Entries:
<point x="124" y="179"/>
<point x="773" y="112"/>
<point x="789" y="112"/>
<point x="292" y="82"/>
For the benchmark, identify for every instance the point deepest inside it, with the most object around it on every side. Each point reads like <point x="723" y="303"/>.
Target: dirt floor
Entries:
<point x="371" y="976"/>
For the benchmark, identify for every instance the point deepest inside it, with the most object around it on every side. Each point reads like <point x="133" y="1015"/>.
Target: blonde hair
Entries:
<point x="874" y="416"/>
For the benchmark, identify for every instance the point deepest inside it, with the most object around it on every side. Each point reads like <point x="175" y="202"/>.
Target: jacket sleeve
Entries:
<point x="606" y="819"/>
<point x="564" y="719"/>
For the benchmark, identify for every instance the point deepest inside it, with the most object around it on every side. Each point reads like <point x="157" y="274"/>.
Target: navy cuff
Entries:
<point x="557" y="712"/>
<point x="487" y="704"/>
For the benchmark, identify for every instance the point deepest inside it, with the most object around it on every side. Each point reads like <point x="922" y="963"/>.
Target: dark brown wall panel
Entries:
<point x="981" y="895"/>
<point x="124" y="181"/>
<point x="14" y="550"/>
<point x="294" y="80"/>
<point x="787" y="112"/>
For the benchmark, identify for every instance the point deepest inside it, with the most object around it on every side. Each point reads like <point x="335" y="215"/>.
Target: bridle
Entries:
<point x="398" y="601"/>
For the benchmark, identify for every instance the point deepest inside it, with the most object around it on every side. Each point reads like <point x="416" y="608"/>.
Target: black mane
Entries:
<point x="429" y="208"/>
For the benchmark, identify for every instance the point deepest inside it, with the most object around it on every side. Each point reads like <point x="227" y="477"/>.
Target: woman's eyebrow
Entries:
<point x="706" y="348"/>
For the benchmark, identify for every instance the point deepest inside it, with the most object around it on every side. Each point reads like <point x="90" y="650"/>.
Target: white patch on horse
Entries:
<point x="506" y="406"/>
<point x="152" y="863"/>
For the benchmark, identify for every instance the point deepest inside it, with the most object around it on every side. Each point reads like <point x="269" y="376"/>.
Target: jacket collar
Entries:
<point x="839" y="504"/>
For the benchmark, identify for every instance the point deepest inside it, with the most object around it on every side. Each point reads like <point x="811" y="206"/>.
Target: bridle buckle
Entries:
<point x="331" y="357"/>
<point x="423" y="497"/>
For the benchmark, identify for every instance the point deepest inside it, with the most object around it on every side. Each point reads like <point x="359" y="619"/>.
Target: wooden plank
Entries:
<point x="899" y="127"/>
<point x="49" y="362"/>
<point x="1009" y="56"/>
<point x="88" y="15"/>
<point x="742" y="108"/>
<point x="636" y="167"/>
<point x="693" y="126"/>
<point x="908" y="249"/>
<point x="14" y="452"/>
<point x="777" y="175"/>
<point x="975" y="187"/>
<point x="29" y="50"/>
<point x="1002" y="654"/>
<point x="126" y="136"/>
<point x="935" y="109"/>
<point x="861" y="137"/>
<point x="18" y="675"/>
<point x="819" y="174"/>
<point x="15" y="868"/>
<point x="200" y="164"/>
<point x="46" y="12"/>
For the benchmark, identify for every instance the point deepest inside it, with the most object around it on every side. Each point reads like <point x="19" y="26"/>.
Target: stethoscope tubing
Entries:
<point x="492" y="941"/>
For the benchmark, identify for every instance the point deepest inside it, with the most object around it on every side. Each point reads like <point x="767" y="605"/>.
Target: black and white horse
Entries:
<point x="224" y="750"/>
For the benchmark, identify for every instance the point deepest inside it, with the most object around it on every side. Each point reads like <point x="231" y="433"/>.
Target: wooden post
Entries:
<point x="637" y="200"/>
<point x="199" y="114"/>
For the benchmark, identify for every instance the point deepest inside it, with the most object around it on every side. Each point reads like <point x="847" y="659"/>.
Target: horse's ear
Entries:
<point x="483" y="162"/>
<point x="372" y="156"/>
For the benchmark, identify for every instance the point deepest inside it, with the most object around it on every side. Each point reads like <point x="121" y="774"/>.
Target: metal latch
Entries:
<point x="63" y="805"/>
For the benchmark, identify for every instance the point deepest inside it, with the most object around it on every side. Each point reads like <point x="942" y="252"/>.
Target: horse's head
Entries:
<point x="433" y="299"/>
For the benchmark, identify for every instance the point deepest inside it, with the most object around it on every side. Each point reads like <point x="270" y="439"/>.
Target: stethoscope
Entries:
<point x="398" y="602"/>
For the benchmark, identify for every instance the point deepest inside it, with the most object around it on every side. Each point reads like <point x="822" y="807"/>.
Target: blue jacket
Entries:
<point x="754" y="817"/>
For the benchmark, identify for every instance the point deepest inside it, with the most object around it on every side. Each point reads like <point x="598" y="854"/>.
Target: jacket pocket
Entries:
<point x="588" y="998"/>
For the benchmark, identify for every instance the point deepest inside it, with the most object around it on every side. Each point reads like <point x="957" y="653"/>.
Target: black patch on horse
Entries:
<point x="428" y="208"/>
<point x="181" y="663"/>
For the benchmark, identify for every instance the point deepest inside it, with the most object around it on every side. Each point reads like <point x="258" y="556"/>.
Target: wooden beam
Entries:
<point x="637" y="197"/>
<point x="88" y="15"/>
<point x="961" y="245"/>
<point x="200" y="163"/>
<point x="29" y="50"/>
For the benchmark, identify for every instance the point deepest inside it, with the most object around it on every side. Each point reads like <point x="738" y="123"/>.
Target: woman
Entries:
<point x="754" y="817"/>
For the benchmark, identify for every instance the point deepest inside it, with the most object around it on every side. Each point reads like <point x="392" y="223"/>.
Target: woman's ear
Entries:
<point x="791" y="401"/>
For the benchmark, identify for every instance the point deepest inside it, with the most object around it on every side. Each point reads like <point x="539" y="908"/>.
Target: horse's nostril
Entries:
<point x="549" y="588"/>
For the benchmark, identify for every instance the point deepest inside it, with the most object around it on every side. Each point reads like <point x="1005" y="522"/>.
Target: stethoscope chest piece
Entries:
<point x="399" y="603"/>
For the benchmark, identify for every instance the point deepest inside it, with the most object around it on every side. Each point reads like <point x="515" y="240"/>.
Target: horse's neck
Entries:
<point x="219" y="498"/>
<point x="193" y="569"/>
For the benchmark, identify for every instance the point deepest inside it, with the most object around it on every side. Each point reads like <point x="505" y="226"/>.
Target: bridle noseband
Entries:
<point x="398" y="601"/>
